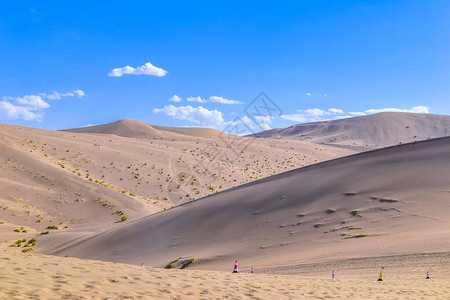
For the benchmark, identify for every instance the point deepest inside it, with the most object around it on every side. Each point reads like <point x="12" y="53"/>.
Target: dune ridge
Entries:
<point x="137" y="129"/>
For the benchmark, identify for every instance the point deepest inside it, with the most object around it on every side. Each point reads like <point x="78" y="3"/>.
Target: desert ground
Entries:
<point x="90" y="181"/>
<point x="36" y="276"/>
<point x="390" y="201"/>
<point x="81" y="209"/>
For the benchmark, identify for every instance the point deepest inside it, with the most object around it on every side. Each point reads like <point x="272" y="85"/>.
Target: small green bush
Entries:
<point x="172" y="263"/>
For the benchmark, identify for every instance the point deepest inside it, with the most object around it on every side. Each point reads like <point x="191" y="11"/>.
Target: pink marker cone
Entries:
<point x="236" y="270"/>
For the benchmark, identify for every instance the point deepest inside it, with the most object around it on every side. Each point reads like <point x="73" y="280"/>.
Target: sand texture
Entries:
<point x="384" y="202"/>
<point x="31" y="276"/>
<point x="87" y="182"/>
<point x="104" y="199"/>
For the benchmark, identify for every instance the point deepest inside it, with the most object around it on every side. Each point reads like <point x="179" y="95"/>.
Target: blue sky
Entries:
<point x="315" y="59"/>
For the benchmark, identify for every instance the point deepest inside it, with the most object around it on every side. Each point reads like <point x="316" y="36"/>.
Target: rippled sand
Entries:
<point x="35" y="276"/>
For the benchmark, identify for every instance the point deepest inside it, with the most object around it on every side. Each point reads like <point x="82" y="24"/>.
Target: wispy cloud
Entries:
<point x="31" y="107"/>
<point x="216" y="99"/>
<point x="309" y="94"/>
<point x="196" y="99"/>
<point x="58" y="96"/>
<point x="317" y="115"/>
<point x="213" y="99"/>
<point x="146" y="69"/>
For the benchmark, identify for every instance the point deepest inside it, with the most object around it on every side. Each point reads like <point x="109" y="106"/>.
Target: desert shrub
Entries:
<point x="355" y="213"/>
<point x="171" y="264"/>
<point x="52" y="227"/>
<point x="123" y="219"/>
<point x="187" y="263"/>
<point x="355" y="236"/>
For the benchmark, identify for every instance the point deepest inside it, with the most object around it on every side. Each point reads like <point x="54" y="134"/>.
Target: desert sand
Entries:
<point x="295" y="210"/>
<point x="391" y="201"/>
<point x="370" y="132"/>
<point x="90" y="181"/>
<point x="35" y="276"/>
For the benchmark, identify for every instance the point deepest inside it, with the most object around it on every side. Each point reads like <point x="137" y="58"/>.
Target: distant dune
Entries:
<point x="137" y="129"/>
<point x="384" y="202"/>
<point x="373" y="131"/>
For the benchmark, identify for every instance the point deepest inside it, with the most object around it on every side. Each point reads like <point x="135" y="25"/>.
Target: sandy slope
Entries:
<point x="137" y="129"/>
<point x="31" y="276"/>
<point x="384" y="202"/>
<point x="372" y="131"/>
<point x="84" y="183"/>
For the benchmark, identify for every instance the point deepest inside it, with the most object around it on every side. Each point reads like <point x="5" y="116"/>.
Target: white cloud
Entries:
<point x="311" y="115"/>
<point x="314" y="112"/>
<point x="216" y="99"/>
<point x="309" y="94"/>
<point x="357" y="113"/>
<point x="146" y="69"/>
<point x="249" y="125"/>
<point x="265" y="121"/>
<point x="10" y="111"/>
<point x="210" y="99"/>
<point x="79" y="93"/>
<point x="198" y="115"/>
<point x="317" y="115"/>
<point x="30" y="107"/>
<point x="196" y="99"/>
<point x="415" y="109"/>
<point x="175" y="98"/>
<point x="32" y="101"/>
<point x="299" y="118"/>
<point x="336" y="111"/>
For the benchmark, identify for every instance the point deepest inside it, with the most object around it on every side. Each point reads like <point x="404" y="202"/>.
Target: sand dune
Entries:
<point x="387" y="207"/>
<point x="137" y="129"/>
<point x="31" y="276"/>
<point x="84" y="183"/>
<point x="372" y="131"/>
<point x="384" y="202"/>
